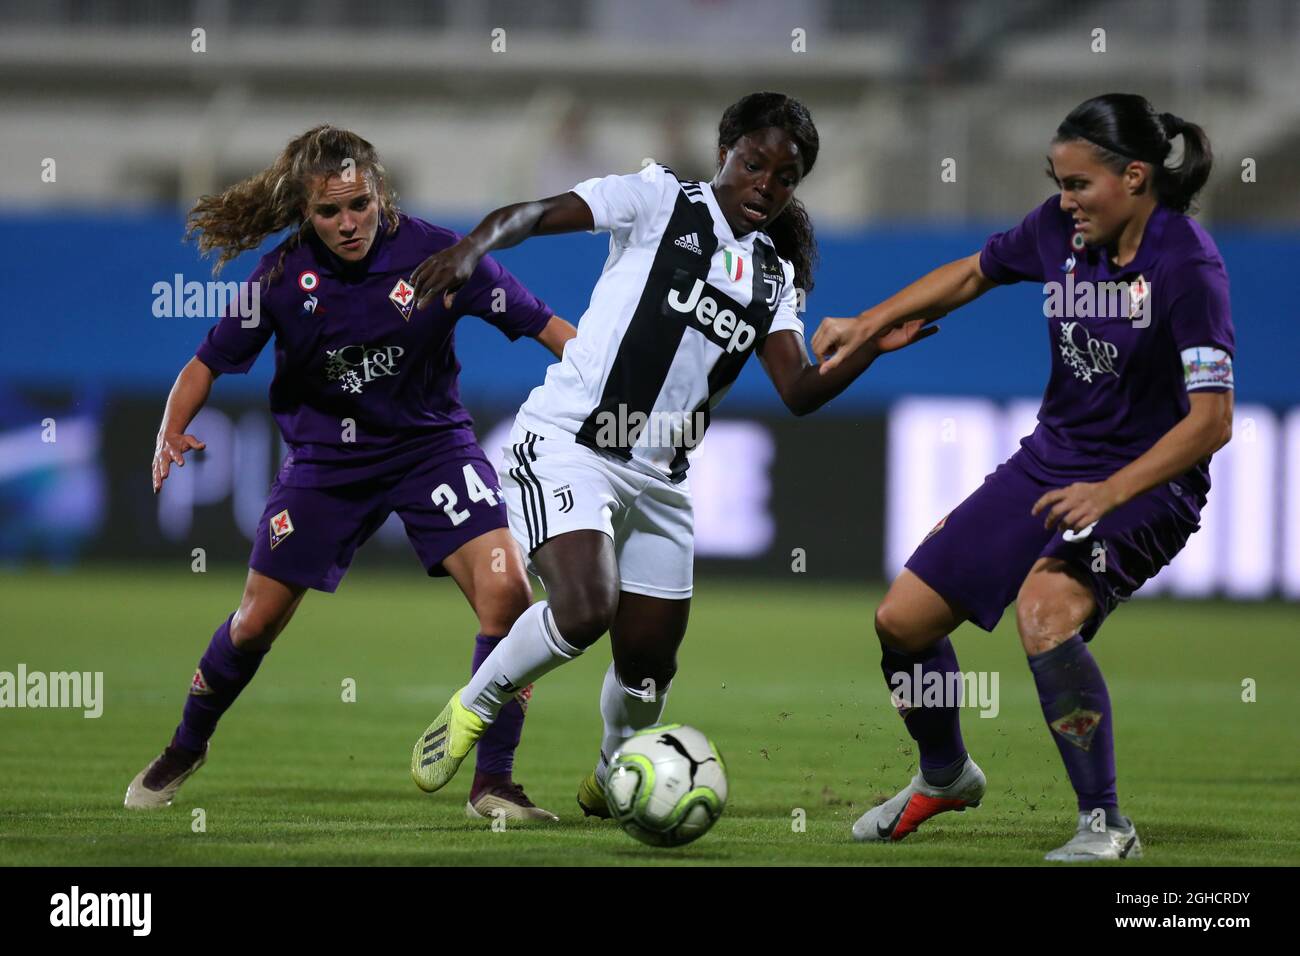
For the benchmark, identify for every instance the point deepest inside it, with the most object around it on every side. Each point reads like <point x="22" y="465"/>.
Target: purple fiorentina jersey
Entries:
<point x="350" y="345"/>
<point x="1117" y="382"/>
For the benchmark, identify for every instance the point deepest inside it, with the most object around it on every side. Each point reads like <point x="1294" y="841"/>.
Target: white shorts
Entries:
<point x="554" y="485"/>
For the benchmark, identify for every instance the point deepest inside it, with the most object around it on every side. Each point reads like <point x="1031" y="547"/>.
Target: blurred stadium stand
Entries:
<point x="585" y="87"/>
<point x="140" y="125"/>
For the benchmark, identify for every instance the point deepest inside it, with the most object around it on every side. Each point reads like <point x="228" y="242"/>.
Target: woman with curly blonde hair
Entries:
<point x="366" y="396"/>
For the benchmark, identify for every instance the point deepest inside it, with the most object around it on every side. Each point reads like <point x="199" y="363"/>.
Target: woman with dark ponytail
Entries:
<point x="699" y="277"/>
<point x="1122" y="127"/>
<point x="1110" y="485"/>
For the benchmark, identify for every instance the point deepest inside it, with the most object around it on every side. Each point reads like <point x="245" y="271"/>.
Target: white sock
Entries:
<point x="625" y="711"/>
<point x="532" y="648"/>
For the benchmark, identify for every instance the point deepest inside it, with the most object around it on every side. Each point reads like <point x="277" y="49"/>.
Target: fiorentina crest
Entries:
<point x="198" y="686"/>
<point x="1138" y="292"/>
<point x="280" y="527"/>
<point x="901" y="703"/>
<point x="403" y="296"/>
<point x="937" y="528"/>
<point x="1078" y="726"/>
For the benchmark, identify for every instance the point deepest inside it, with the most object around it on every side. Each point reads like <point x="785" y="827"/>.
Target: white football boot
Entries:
<point x="155" y="786"/>
<point x="1089" y="845"/>
<point x="917" y="802"/>
<point x="498" y="797"/>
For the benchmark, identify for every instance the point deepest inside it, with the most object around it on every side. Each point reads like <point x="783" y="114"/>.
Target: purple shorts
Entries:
<point x="979" y="555"/>
<point x="307" y="536"/>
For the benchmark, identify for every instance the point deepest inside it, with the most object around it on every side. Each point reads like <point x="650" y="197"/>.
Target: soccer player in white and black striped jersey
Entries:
<point x="699" y="276"/>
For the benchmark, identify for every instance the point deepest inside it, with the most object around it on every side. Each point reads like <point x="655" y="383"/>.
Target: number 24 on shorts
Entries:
<point x="445" y="497"/>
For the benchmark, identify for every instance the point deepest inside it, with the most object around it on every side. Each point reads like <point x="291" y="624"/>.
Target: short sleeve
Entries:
<point x="786" y="318"/>
<point x="1199" y="311"/>
<point x="233" y="344"/>
<point x="1013" y="256"/>
<point x="497" y="297"/>
<point x="625" y="206"/>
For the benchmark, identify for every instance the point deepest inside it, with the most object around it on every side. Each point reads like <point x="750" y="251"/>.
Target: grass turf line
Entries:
<point x="785" y="678"/>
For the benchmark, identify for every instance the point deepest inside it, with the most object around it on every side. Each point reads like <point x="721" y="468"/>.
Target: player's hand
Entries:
<point x="171" y="448"/>
<point x="445" y="272"/>
<point x="1076" y="506"/>
<point x="901" y="336"/>
<point x="836" y="339"/>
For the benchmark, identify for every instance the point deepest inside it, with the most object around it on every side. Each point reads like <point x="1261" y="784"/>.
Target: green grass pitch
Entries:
<point x="783" y="677"/>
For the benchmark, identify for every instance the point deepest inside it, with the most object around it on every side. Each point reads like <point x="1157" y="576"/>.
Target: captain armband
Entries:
<point x="1206" y="367"/>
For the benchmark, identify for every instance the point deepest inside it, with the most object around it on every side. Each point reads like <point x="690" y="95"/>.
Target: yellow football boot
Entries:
<point x="441" y="749"/>
<point x="591" y="797"/>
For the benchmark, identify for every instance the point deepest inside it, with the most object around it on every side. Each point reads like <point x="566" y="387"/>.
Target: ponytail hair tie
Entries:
<point x="1173" y="125"/>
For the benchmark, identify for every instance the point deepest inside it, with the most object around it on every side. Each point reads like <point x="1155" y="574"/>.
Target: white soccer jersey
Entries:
<point x="680" y="306"/>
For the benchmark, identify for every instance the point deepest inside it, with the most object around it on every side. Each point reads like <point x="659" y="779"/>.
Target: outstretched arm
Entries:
<point x="1205" y="429"/>
<point x="804" y="388"/>
<point x="445" y="272"/>
<point x="555" y="334"/>
<point x="188" y="395"/>
<point x="928" y="298"/>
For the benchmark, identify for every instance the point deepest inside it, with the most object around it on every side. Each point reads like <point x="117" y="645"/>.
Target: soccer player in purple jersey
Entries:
<point x="1111" y="483"/>
<point x="366" y="395"/>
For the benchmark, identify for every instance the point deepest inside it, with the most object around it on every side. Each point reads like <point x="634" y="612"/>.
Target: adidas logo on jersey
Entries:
<point x="691" y="243"/>
<point x="723" y="326"/>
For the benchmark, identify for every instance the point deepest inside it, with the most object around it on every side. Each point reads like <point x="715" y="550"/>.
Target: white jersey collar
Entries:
<point x="720" y="223"/>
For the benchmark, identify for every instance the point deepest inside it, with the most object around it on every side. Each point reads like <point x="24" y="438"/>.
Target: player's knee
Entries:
<point x="1043" y="618"/>
<point x="583" y="617"/>
<point x="885" y="624"/>
<point x="500" y="600"/>
<point x="896" y="630"/>
<point x="1035" y="636"/>
<point x="647" y="672"/>
<point x="251" y="629"/>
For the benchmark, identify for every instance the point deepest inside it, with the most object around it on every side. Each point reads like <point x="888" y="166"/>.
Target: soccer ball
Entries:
<point x="667" y="785"/>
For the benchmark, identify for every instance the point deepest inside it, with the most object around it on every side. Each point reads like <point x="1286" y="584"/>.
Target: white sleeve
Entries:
<point x="625" y="206"/>
<point x="787" y="308"/>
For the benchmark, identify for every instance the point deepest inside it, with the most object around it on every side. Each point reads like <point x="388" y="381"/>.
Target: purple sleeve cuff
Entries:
<point x="525" y="322"/>
<point x="1201" y="312"/>
<point x="250" y="345"/>
<point x="1014" y="255"/>
<point x="994" y="271"/>
<point x="524" y="313"/>
<point x="231" y="347"/>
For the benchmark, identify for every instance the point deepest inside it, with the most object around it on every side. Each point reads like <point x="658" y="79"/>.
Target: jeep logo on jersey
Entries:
<point x="721" y="324"/>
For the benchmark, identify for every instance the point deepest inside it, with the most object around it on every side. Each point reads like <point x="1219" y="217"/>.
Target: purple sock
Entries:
<point x="223" y="672"/>
<point x="936" y="730"/>
<point x="1077" y="707"/>
<point x="497" y="746"/>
